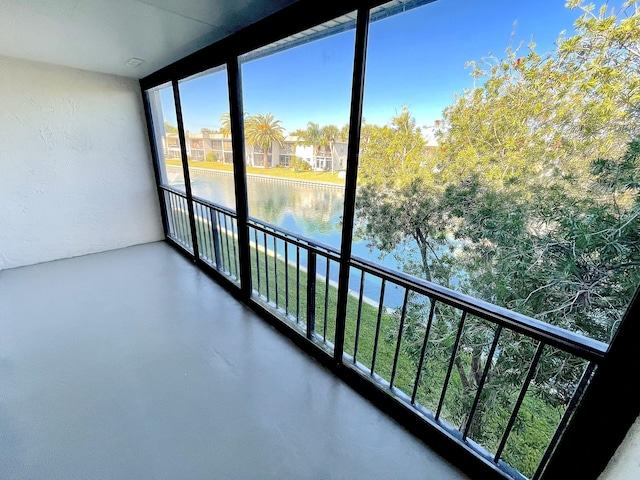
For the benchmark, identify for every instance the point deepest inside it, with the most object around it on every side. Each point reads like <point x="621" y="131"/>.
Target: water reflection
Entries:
<point x="313" y="212"/>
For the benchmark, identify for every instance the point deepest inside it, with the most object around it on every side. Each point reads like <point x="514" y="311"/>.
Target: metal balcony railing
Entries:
<point x="294" y="278"/>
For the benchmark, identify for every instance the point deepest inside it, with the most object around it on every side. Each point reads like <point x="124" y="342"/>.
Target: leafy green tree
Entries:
<point x="263" y="131"/>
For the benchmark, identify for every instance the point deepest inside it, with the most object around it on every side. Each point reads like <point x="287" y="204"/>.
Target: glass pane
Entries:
<point x="507" y="169"/>
<point x="297" y="99"/>
<point x="495" y="173"/>
<point x="205" y="112"/>
<point x="165" y="131"/>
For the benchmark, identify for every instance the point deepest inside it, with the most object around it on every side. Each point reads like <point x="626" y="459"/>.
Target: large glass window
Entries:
<point x="165" y="131"/>
<point x="204" y="99"/>
<point x="497" y="158"/>
<point x="297" y="95"/>
<point x="205" y="112"/>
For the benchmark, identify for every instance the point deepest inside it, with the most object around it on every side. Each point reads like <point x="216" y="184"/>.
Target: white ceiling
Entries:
<point x="102" y="35"/>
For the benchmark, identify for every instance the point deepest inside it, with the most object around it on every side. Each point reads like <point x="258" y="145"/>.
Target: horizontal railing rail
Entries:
<point x="296" y="239"/>
<point x="221" y="208"/>
<point x="565" y="340"/>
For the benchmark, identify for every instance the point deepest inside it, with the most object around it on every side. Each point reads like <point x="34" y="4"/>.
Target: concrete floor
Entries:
<point x="132" y="364"/>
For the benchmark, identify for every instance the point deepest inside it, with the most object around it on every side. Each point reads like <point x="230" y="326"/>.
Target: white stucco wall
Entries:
<point x="75" y="174"/>
<point x="625" y="464"/>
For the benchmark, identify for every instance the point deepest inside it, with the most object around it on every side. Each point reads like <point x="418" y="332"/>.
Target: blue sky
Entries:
<point x="415" y="59"/>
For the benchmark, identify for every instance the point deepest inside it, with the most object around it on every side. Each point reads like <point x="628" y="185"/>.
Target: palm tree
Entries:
<point x="225" y="125"/>
<point x="263" y="131"/>
<point x="330" y="133"/>
<point x="313" y="137"/>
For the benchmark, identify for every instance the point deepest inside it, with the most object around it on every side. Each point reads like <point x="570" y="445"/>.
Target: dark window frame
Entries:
<point x="609" y="406"/>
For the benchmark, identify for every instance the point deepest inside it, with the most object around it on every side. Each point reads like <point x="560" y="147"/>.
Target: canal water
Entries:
<point x="313" y="212"/>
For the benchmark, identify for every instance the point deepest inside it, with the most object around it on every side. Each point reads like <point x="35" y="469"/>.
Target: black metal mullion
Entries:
<point x="236" y="117"/>
<point x="351" y="181"/>
<point x="185" y="170"/>
<point x="483" y="379"/>
<point x="454" y="353"/>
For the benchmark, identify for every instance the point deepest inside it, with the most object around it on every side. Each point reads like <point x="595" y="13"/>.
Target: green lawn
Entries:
<point x="278" y="172"/>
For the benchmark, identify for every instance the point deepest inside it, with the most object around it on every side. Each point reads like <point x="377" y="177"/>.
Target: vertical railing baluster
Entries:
<point x="208" y="233"/>
<point x="197" y="207"/>
<point x="358" y="318"/>
<point x="275" y="266"/>
<point x="226" y="236"/>
<point x="266" y="264"/>
<point x="483" y="379"/>
<point x="223" y="249"/>
<point x="189" y="234"/>
<point x="176" y="212"/>
<point x="378" y="323"/>
<point x="573" y="403"/>
<point x="176" y="209"/>
<point x="286" y="278"/>
<point x="216" y="237"/>
<point x="454" y="353"/>
<point x="183" y="220"/>
<point x="234" y="239"/>
<point x="205" y="251"/>
<point x="172" y="227"/>
<point x="255" y="238"/>
<point x="311" y="293"/>
<point x="399" y="340"/>
<point x="423" y="350"/>
<point x="297" y="283"/>
<point x="516" y="408"/>
<point x="326" y="299"/>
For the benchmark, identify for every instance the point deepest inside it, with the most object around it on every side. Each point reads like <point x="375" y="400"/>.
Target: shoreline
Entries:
<point x="291" y="181"/>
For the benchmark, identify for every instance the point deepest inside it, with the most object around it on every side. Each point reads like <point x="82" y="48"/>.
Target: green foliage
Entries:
<point x="211" y="157"/>
<point x="299" y="165"/>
